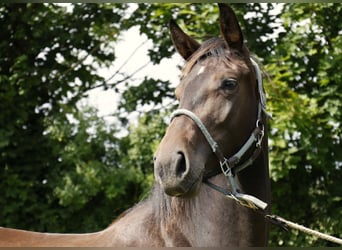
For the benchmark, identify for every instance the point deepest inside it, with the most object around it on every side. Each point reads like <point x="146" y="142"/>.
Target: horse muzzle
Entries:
<point x="176" y="176"/>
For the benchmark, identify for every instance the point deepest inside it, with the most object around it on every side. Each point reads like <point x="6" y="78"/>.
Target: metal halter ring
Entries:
<point x="261" y="134"/>
<point x="259" y="124"/>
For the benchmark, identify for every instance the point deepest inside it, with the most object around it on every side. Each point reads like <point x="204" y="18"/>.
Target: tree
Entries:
<point x="53" y="165"/>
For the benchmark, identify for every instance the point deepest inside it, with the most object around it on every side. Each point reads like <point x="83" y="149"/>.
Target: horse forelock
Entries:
<point x="218" y="48"/>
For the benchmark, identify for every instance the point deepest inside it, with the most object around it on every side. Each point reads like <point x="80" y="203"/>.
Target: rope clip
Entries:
<point x="274" y="220"/>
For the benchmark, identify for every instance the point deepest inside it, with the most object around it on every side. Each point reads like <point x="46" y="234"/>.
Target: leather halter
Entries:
<point x="230" y="165"/>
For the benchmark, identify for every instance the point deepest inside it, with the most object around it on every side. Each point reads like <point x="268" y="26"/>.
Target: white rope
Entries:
<point x="308" y="230"/>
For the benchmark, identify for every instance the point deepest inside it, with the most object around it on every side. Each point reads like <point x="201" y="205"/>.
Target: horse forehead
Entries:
<point x="214" y="67"/>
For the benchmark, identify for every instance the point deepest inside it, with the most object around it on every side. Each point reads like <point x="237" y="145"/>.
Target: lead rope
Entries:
<point x="250" y="202"/>
<point x="304" y="229"/>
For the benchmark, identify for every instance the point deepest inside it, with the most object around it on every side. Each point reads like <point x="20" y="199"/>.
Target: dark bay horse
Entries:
<point x="216" y="137"/>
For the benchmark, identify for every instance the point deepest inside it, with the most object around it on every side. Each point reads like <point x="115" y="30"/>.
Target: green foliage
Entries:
<point x="305" y="97"/>
<point x="149" y="91"/>
<point x="58" y="160"/>
<point x="143" y="140"/>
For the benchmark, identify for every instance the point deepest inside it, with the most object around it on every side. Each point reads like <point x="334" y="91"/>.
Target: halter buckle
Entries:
<point x="226" y="169"/>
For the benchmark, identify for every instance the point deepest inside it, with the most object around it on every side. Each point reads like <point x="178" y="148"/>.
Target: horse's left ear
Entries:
<point x="230" y="28"/>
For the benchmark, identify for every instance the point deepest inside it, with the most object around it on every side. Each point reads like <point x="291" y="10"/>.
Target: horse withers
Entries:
<point x="218" y="129"/>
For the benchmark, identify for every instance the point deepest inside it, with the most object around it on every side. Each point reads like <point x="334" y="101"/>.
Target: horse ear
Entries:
<point x="230" y="28"/>
<point x="185" y="45"/>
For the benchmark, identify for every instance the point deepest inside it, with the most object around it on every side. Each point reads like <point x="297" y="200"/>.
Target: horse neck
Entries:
<point x="210" y="219"/>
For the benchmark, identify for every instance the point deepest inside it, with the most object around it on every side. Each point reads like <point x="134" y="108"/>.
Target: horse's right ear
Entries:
<point x="185" y="45"/>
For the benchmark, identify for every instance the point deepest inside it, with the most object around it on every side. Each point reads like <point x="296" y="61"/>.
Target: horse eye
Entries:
<point x="228" y="84"/>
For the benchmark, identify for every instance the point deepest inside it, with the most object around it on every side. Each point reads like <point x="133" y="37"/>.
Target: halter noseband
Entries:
<point x="230" y="166"/>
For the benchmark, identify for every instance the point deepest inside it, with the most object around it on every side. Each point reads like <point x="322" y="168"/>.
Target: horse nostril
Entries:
<point x="180" y="165"/>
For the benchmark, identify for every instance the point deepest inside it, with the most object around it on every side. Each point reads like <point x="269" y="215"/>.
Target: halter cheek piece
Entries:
<point x="230" y="166"/>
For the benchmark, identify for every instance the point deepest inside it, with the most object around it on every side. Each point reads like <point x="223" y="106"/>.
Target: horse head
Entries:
<point x="219" y="86"/>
